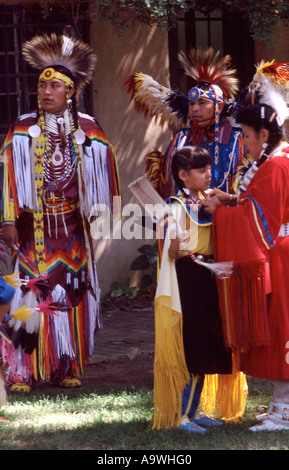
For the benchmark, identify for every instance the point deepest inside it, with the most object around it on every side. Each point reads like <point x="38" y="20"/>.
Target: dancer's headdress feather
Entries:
<point x="157" y="101"/>
<point x="170" y="106"/>
<point x="270" y="85"/>
<point x="206" y="66"/>
<point x="45" y="51"/>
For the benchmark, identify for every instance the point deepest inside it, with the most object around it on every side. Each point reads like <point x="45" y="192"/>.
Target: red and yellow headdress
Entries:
<point x="270" y="86"/>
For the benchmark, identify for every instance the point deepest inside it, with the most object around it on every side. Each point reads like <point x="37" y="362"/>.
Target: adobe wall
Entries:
<point x="279" y="48"/>
<point x="140" y="49"/>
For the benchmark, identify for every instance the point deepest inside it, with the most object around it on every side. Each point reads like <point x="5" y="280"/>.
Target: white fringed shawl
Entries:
<point x="93" y="169"/>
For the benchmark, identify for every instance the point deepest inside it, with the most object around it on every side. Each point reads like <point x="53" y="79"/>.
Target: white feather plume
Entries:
<point x="270" y="96"/>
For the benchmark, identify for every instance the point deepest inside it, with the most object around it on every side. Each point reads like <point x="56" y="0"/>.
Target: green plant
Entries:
<point x="123" y="290"/>
<point x="262" y="14"/>
<point x="148" y="259"/>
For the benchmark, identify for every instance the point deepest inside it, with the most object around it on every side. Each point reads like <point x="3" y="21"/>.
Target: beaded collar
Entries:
<point x="194" y="208"/>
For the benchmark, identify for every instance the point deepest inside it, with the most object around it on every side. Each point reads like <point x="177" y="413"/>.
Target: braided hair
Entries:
<point x="65" y="71"/>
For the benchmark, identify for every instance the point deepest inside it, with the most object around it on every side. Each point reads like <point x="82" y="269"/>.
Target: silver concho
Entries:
<point x="79" y="136"/>
<point x="34" y="131"/>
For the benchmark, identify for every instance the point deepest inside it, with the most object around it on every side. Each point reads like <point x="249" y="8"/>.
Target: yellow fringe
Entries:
<point x="224" y="396"/>
<point x="170" y="370"/>
<point x="33" y="364"/>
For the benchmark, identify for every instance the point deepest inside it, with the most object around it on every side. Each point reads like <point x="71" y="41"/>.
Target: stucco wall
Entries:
<point x="279" y="47"/>
<point x="140" y="49"/>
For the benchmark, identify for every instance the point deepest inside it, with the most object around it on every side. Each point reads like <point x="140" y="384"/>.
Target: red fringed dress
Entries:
<point x="55" y="240"/>
<point x="255" y="300"/>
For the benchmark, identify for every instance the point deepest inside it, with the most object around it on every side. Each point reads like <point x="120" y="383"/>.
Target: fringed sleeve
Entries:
<point x="99" y="169"/>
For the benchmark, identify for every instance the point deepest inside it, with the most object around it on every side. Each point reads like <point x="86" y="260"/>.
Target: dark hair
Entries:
<point x="205" y="86"/>
<point x="189" y="158"/>
<point x="255" y="117"/>
<point x="65" y="71"/>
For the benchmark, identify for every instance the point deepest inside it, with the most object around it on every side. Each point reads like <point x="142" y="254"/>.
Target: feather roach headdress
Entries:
<point x="45" y="51"/>
<point x="214" y="79"/>
<point x="71" y="61"/>
<point x="205" y="66"/>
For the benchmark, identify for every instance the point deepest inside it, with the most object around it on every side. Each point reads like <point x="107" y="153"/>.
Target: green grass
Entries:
<point x="120" y="419"/>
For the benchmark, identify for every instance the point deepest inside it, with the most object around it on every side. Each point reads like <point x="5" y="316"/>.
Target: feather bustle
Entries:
<point x="154" y="100"/>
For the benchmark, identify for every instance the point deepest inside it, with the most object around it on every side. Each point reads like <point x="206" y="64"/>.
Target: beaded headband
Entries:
<point x="49" y="73"/>
<point x="215" y="94"/>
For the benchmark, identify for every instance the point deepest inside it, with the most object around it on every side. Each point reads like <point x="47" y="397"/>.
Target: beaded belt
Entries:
<point x="204" y="258"/>
<point x="59" y="206"/>
<point x="284" y="230"/>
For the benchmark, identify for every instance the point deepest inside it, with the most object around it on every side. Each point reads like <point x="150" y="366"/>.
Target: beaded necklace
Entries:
<point x="61" y="160"/>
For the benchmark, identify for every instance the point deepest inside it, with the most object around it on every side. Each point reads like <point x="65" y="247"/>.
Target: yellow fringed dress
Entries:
<point x="223" y="396"/>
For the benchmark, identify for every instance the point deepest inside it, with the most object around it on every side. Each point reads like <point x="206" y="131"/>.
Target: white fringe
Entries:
<point x="97" y="190"/>
<point x="26" y="188"/>
<point x="93" y="300"/>
<point x="94" y="171"/>
<point x="62" y="330"/>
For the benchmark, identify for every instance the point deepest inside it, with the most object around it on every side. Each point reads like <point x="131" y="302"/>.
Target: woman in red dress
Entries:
<point x="254" y="235"/>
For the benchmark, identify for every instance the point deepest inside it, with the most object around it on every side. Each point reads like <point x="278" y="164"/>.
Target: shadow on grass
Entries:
<point x="119" y="419"/>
